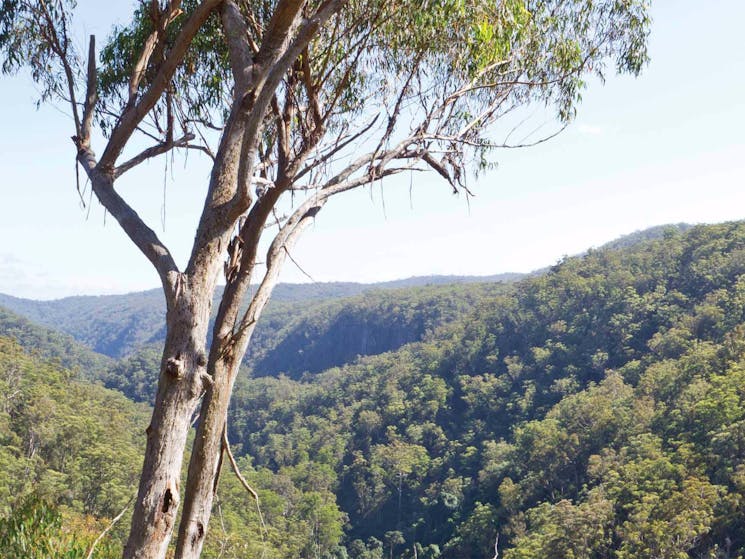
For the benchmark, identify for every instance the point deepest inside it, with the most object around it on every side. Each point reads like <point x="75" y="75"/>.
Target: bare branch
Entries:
<point x="60" y="49"/>
<point x="116" y="519"/>
<point x="312" y="92"/>
<point x="90" y="95"/>
<point x="153" y="151"/>
<point x="141" y="235"/>
<point x="203" y="148"/>
<point x="241" y="479"/>
<point x="336" y="148"/>
<point x="393" y="117"/>
<point x="283" y="132"/>
<point x="437" y="166"/>
<point x="236" y="469"/>
<point x="240" y="46"/>
<point x="276" y="56"/>
<point x="493" y="145"/>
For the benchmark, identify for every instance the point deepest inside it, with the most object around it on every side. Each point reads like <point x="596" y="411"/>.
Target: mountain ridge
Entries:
<point x="603" y="398"/>
<point x="121" y="325"/>
<point x="117" y="325"/>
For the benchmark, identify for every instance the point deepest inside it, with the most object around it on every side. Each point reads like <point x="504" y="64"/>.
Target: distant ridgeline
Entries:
<point x="119" y="325"/>
<point x="594" y="411"/>
<point x="306" y="328"/>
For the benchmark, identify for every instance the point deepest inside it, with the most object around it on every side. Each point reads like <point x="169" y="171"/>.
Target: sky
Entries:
<point x="666" y="147"/>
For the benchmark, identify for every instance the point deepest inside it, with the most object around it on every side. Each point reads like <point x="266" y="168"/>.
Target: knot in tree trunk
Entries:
<point x="175" y="368"/>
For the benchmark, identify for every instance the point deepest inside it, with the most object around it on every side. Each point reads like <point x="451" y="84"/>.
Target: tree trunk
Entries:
<point x="205" y="461"/>
<point x="226" y="352"/>
<point x="207" y="452"/>
<point x="182" y="374"/>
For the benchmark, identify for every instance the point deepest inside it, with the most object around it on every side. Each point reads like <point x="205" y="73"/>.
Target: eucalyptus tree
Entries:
<point x="294" y="102"/>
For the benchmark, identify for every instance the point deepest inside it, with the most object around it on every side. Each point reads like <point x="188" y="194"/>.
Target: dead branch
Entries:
<point x="334" y="149"/>
<point x="153" y="42"/>
<point x="241" y="479"/>
<point x="90" y="95"/>
<point x="154" y="151"/>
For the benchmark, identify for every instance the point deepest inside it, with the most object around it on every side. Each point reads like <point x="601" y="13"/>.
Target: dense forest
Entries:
<point x="592" y="411"/>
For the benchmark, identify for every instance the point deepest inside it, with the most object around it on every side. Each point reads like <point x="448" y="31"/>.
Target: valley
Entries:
<point x="593" y="409"/>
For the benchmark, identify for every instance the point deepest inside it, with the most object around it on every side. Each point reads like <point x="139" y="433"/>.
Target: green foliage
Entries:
<point x="33" y="531"/>
<point x="201" y="80"/>
<point x="595" y="411"/>
<point x="24" y="41"/>
<point x="485" y="55"/>
<point x="69" y="444"/>
<point x="299" y="516"/>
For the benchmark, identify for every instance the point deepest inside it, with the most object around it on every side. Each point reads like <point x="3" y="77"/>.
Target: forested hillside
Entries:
<point x="339" y="331"/>
<point x="112" y="325"/>
<point x="53" y="345"/>
<point x="69" y="456"/>
<point x="123" y="325"/>
<point x="596" y="411"/>
<point x="593" y="412"/>
<point x="297" y="338"/>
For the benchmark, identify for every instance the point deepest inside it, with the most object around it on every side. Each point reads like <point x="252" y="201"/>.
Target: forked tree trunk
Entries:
<point x="226" y="353"/>
<point x="182" y="374"/>
<point x="205" y="461"/>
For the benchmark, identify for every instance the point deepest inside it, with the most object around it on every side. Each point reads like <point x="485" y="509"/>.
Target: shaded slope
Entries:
<point x="337" y="332"/>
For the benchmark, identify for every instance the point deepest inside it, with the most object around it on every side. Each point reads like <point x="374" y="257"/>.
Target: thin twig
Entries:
<point x="298" y="266"/>
<point x="109" y="527"/>
<point x="241" y="479"/>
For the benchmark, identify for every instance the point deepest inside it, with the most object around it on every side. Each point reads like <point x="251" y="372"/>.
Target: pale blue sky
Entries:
<point x="666" y="147"/>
